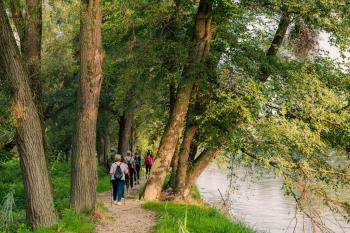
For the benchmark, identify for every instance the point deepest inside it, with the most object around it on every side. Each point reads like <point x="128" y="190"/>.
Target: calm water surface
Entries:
<point x="260" y="203"/>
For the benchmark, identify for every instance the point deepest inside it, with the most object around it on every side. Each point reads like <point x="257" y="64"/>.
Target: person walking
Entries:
<point x="117" y="173"/>
<point x="148" y="162"/>
<point x="129" y="160"/>
<point x="137" y="159"/>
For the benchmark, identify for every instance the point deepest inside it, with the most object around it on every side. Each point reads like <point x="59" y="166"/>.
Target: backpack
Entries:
<point x="149" y="160"/>
<point x="137" y="160"/>
<point x="128" y="161"/>
<point x="118" y="174"/>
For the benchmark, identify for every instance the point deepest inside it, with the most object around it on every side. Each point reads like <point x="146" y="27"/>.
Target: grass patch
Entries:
<point x="69" y="222"/>
<point x="103" y="184"/>
<point x="11" y="179"/>
<point x="195" y="193"/>
<point x="198" y="219"/>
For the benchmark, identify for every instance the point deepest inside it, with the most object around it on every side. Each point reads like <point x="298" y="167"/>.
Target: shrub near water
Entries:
<point x="198" y="220"/>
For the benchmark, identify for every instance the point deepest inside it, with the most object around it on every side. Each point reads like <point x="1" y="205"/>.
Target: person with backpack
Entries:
<point x="129" y="160"/>
<point x="137" y="159"/>
<point x="148" y="162"/>
<point x="117" y="173"/>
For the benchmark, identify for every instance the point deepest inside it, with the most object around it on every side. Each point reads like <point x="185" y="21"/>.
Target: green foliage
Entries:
<point x="297" y="122"/>
<point x="103" y="180"/>
<point x="60" y="176"/>
<point x="6" y="211"/>
<point x="60" y="70"/>
<point x="195" y="193"/>
<point x="73" y="222"/>
<point x="198" y="219"/>
<point x="69" y="222"/>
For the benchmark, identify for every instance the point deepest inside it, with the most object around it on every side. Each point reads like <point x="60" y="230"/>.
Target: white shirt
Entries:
<point x="123" y="166"/>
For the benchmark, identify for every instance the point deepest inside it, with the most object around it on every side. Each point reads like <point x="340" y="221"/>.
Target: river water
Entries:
<point x="259" y="203"/>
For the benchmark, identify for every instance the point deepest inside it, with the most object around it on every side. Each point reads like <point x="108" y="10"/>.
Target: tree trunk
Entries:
<point x="84" y="175"/>
<point x="104" y="144"/>
<point x="133" y="138"/>
<point x="174" y="166"/>
<point x="275" y="45"/>
<point x="39" y="202"/>
<point x="17" y="18"/>
<point x="31" y="46"/>
<point x="184" y="158"/>
<point x="100" y="145"/>
<point x="196" y="170"/>
<point x="175" y="159"/>
<point x="106" y="150"/>
<point x="197" y="55"/>
<point x="125" y="124"/>
<point x="29" y="29"/>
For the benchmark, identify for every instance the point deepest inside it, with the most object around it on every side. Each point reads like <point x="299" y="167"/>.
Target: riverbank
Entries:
<point x="173" y="217"/>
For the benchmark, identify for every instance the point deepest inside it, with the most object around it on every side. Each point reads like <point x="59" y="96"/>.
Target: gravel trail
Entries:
<point x="130" y="217"/>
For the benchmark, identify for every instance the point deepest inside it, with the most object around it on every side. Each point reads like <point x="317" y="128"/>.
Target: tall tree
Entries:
<point x="84" y="175"/>
<point x="40" y="209"/>
<point x="31" y="46"/>
<point x="276" y="44"/>
<point x="125" y="124"/>
<point x="197" y="55"/>
<point x="29" y="29"/>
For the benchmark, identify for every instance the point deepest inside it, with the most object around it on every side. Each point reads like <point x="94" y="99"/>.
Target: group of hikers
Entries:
<point x="125" y="172"/>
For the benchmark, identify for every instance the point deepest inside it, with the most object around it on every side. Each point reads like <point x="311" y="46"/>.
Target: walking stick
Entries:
<point x="111" y="190"/>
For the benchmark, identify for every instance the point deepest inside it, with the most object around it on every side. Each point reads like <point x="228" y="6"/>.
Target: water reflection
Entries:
<point x="260" y="203"/>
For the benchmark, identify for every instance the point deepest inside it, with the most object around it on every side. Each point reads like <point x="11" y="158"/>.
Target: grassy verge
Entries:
<point x="174" y="217"/>
<point x="11" y="181"/>
<point x="69" y="221"/>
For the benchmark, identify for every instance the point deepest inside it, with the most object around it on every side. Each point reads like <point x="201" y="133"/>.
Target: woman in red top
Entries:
<point x="148" y="163"/>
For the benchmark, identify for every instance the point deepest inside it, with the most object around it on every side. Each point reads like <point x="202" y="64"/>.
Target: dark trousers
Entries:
<point x="130" y="180"/>
<point x="148" y="169"/>
<point x="118" y="189"/>
<point x="138" y="168"/>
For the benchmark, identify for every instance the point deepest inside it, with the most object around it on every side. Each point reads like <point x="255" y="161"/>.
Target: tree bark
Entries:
<point x="84" y="174"/>
<point x="175" y="159"/>
<point x="104" y="145"/>
<point x="134" y="136"/>
<point x="125" y="125"/>
<point x="183" y="164"/>
<point x="17" y="18"/>
<point x="198" y="167"/>
<point x="174" y="166"/>
<point x="105" y="149"/>
<point x="31" y="46"/>
<point x="197" y="55"/>
<point x="275" y="45"/>
<point x="40" y="209"/>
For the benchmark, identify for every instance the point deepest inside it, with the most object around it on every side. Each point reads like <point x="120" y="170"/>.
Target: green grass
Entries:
<point x="199" y="219"/>
<point x="69" y="222"/>
<point x="11" y="179"/>
<point x="195" y="193"/>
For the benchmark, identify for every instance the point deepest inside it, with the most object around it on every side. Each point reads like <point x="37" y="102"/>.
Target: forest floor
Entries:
<point x="130" y="217"/>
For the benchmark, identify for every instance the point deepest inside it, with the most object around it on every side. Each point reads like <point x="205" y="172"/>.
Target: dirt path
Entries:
<point x="127" y="218"/>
